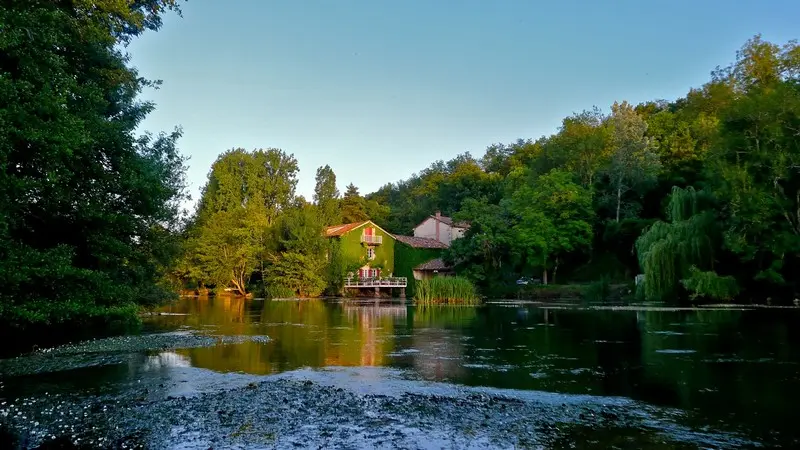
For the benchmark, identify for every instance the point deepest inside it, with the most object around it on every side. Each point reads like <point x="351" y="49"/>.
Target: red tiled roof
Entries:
<point x="339" y="230"/>
<point x="434" y="264"/>
<point x="418" y="242"/>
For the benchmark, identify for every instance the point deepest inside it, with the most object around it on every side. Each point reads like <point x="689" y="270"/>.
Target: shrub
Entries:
<point x="442" y="290"/>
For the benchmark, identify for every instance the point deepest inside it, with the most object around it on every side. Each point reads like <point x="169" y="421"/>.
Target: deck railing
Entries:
<point x="371" y="239"/>
<point x="375" y="282"/>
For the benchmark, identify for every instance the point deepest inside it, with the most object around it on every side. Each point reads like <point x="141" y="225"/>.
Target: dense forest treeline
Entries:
<point x="700" y="194"/>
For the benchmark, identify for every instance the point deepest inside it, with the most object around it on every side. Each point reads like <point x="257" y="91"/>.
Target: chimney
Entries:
<point x="438" y="219"/>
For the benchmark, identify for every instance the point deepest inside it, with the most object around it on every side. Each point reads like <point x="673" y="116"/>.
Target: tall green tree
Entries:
<point x="353" y="205"/>
<point x="755" y="168"/>
<point x="553" y="218"/>
<point x="584" y="143"/>
<point x="87" y="207"/>
<point x="246" y="194"/>
<point x="326" y="196"/>
<point x="298" y="260"/>
<point x="264" y="178"/>
<point x="225" y="251"/>
<point x="633" y="161"/>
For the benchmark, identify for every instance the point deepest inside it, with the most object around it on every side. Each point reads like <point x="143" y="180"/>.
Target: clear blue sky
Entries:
<point x="379" y="89"/>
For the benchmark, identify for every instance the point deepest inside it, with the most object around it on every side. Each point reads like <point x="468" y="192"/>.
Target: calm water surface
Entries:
<point x="736" y="370"/>
<point x="733" y="371"/>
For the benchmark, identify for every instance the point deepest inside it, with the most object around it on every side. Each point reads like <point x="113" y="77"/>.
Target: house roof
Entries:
<point x="339" y="230"/>
<point x="434" y="264"/>
<point x="418" y="242"/>
<point x="447" y="221"/>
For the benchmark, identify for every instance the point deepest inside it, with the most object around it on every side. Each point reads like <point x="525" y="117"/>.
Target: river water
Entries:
<point x="658" y="377"/>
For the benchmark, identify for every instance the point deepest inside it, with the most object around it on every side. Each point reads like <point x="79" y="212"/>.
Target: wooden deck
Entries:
<point x="399" y="282"/>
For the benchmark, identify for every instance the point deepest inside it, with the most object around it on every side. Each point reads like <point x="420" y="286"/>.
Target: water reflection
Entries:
<point x="724" y="366"/>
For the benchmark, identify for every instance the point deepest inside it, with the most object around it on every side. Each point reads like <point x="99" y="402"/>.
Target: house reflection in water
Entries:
<point x="317" y="333"/>
<point x="374" y="338"/>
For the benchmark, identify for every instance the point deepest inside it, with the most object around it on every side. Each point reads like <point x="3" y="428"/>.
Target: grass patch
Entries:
<point x="446" y="290"/>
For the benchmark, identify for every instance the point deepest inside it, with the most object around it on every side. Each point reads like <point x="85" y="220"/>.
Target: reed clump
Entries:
<point x="446" y="290"/>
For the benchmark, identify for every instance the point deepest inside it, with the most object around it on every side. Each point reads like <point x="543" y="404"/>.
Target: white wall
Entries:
<point x="458" y="232"/>
<point x="427" y="229"/>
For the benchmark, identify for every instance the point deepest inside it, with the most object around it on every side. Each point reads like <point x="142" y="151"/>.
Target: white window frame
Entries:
<point x="370" y="253"/>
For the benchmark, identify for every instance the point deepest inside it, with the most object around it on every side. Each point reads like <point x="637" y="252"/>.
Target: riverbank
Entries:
<point x="577" y="292"/>
<point x="297" y="410"/>
<point x="223" y="372"/>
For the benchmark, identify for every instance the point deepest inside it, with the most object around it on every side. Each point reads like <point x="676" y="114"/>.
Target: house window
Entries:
<point x="373" y="273"/>
<point x="370" y="253"/>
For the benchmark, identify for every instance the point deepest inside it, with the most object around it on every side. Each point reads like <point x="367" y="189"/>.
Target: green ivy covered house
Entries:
<point x="368" y="258"/>
<point x="363" y="253"/>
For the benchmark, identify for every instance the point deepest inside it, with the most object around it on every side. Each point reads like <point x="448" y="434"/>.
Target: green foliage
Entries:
<point x="443" y="186"/>
<point x="353" y="206"/>
<point x="633" y="162"/>
<point x="301" y="273"/>
<point x="326" y="196"/>
<point x="707" y="284"/>
<point x="709" y="181"/>
<point x="298" y="259"/>
<point x="552" y="217"/>
<point x="449" y="290"/>
<point x="484" y="254"/>
<point x="243" y="198"/>
<point x="279" y="291"/>
<point x="667" y="250"/>
<point x="598" y="291"/>
<point x="87" y="207"/>
<point x="407" y="257"/>
<point x="353" y="252"/>
<point x="261" y="180"/>
<point x="603" y="264"/>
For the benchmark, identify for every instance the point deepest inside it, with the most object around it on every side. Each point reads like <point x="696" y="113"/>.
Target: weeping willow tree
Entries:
<point x="681" y="252"/>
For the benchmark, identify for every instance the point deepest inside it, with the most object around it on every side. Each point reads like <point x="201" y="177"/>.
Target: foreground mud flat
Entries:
<point x="135" y="392"/>
<point x="286" y="413"/>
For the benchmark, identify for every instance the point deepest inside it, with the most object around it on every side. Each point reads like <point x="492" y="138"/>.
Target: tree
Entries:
<point x="584" y="141"/>
<point x="633" y="161"/>
<point x="755" y="169"/>
<point x="483" y="254"/>
<point x="298" y="260"/>
<point x="86" y="206"/>
<point x="671" y="253"/>
<point x="553" y="217"/>
<point x="326" y="196"/>
<point x="353" y="205"/>
<point x="226" y="250"/>
<point x="264" y="178"/>
<point x="245" y="195"/>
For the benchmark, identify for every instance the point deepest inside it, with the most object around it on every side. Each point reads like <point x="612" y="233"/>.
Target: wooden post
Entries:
<point x="403" y="293"/>
<point x="377" y="292"/>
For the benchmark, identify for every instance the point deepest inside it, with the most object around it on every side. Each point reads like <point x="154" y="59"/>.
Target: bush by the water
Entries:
<point x="279" y="291"/>
<point x="598" y="291"/>
<point x="446" y="290"/>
